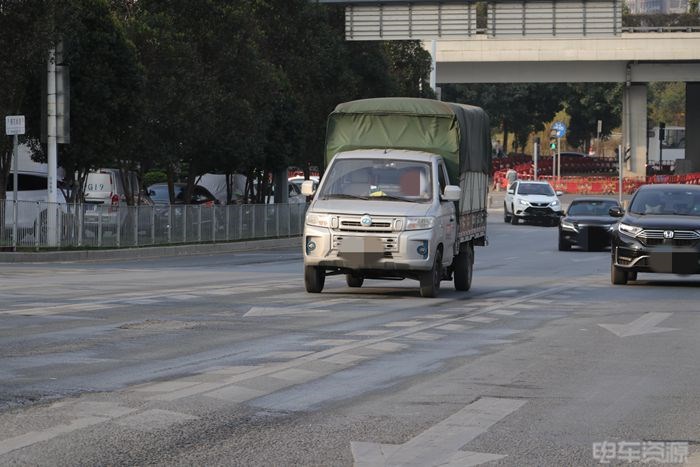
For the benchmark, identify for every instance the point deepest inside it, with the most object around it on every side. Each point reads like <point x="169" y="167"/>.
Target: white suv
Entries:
<point x="536" y="201"/>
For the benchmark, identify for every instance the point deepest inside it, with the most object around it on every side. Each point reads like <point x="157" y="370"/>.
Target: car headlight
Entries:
<point x="522" y="202"/>
<point x="569" y="225"/>
<point x="555" y="203"/>
<point x="420" y="223"/>
<point x="318" y="220"/>
<point x="630" y="230"/>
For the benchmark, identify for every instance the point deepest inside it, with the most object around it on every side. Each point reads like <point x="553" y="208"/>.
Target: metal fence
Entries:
<point x="98" y="225"/>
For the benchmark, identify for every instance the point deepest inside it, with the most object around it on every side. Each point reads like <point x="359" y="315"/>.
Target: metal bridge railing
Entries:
<point x="105" y="226"/>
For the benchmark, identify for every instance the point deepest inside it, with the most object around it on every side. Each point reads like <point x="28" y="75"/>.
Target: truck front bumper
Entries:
<point x="358" y="251"/>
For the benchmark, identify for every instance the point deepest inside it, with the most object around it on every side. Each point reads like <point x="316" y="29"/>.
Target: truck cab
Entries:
<point x="381" y="214"/>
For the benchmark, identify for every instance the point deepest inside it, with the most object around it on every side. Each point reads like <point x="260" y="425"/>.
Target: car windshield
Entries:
<point x="159" y="193"/>
<point x="535" y="189"/>
<point x="668" y="201"/>
<point x="378" y="179"/>
<point x="591" y="208"/>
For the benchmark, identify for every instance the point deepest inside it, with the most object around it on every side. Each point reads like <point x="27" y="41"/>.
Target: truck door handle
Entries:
<point x="452" y="219"/>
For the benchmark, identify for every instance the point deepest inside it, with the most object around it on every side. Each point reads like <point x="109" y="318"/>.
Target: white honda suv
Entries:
<point x="535" y="201"/>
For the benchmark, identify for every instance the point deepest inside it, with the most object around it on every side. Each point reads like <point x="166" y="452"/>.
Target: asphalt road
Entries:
<point x="226" y="360"/>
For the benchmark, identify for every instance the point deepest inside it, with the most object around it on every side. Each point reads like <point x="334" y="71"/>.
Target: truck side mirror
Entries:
<point x="452" y="193"/>
<point x="307" y="188"/>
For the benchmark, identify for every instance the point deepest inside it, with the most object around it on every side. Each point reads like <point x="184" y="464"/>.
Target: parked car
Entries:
<point x="181" y="214"/>
<point x="299" y="180"/>
<point x="104" y="199"/>
<point x="32" y="206"/>
<point x="587" y="224"/>
<point x="532" y="201"/>
<point x="160" y="195"/>
<point x="659" y="233"/>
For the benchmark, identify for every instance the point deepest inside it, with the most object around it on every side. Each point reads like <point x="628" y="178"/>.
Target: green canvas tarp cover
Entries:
<point x="459" y="133"/>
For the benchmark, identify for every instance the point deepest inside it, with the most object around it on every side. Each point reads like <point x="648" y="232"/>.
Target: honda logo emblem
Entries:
<point x="668" y="233"/>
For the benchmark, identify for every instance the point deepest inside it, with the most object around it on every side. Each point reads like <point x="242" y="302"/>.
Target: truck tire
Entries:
<point x="430" y="280"/>
<point x="506" y="216"/>
<point x="464" y="268"/>
<point x="353" y="280"/>
<point x="314" y="279"/>
<point x="618" y="276"/>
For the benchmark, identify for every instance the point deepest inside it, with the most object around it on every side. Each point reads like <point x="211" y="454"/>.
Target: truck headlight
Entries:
<point x="319" y="220"/>
<point x="420" y="223"/>
<point x="630" y="230"/>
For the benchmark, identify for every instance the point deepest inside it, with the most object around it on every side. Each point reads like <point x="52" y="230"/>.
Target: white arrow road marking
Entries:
<point x="642" y="325"/>
<point x="440" y="444"/>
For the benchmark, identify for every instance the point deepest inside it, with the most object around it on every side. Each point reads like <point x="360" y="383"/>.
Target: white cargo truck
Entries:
<point x="404" y="194"/>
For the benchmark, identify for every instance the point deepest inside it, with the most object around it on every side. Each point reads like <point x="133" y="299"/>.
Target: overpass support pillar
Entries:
<point x="635" y="128"/>
<point x="692" y="125"/>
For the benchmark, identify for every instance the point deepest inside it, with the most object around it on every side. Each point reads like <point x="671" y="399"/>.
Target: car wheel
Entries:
<point x="563" y="244"/>
<point x="314" y="278"/>
<point x="430" y="280"/>
<point x="631" y="275"/>
<point x="464" y="268"/>
<point x="618" y="276"/>
<point x="514" y="219"/>
<point x="506" y="216"/>
<point x="353" y="280"/>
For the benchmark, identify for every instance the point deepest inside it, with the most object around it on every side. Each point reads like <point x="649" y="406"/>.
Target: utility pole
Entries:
<point x="51" y="149"/>
<point x="536" y="151"/>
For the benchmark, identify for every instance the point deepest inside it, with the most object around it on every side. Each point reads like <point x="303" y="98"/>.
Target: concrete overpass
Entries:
<point x="632" y="58"/>
<point x="544" y="41"/>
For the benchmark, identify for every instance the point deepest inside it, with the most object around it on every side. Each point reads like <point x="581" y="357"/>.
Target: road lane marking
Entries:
<point x="504" y="312"/>
<point x="403" y="324"/>
<point x="370" y="332"/>
<point x="58" y="309"/>
<point x="454" y="327"/>
<point x="643" y="325"/>
<point x="154" y="419"/>
<point x="332" y="342"/>
<point x="480" y="319"/>
<point x="33" y="437"/>
<point x="441" y="443"/>
<point x="425" y="336"/>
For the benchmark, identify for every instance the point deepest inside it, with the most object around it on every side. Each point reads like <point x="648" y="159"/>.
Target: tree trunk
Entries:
<point x="505" y="137"/>
<point x="171" y="182"/>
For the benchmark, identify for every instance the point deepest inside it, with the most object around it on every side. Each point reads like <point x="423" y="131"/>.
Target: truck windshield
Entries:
<point x="378" y="179"/>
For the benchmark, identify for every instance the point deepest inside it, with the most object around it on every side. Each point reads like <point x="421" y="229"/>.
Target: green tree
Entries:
<point x="513" y="108"/>
<point x="667" y="103"/>
<point x="410" y="66"/>
<point x="25" y="37"/>
<point x="587" y="103"/>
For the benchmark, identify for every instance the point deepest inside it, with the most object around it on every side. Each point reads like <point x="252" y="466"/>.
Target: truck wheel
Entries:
<point x="506" y="216"/>
<point x="618" y="276"/>
<point x="314" y="279"/>
<point x="430" y="280"/>
<point x="464" y="268"/>
<point x="354" y="281"/>
<point x="513" y="218"/>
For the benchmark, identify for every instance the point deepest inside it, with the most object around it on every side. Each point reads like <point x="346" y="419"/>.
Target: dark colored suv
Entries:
<point x="659" y="233"/>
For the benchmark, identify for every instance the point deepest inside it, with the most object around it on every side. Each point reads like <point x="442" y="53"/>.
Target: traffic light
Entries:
<point x="552" y="143"/>
<point x="662" y="131"/>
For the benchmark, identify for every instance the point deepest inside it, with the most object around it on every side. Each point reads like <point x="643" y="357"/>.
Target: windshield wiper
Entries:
<point x="391" y="197"/>
<point x="343" y="196"/>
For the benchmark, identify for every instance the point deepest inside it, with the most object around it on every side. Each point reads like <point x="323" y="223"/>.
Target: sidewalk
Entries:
<point x="148" y="252"/>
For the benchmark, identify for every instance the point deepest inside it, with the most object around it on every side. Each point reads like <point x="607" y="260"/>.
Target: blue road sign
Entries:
<point x="560" y="128"/>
